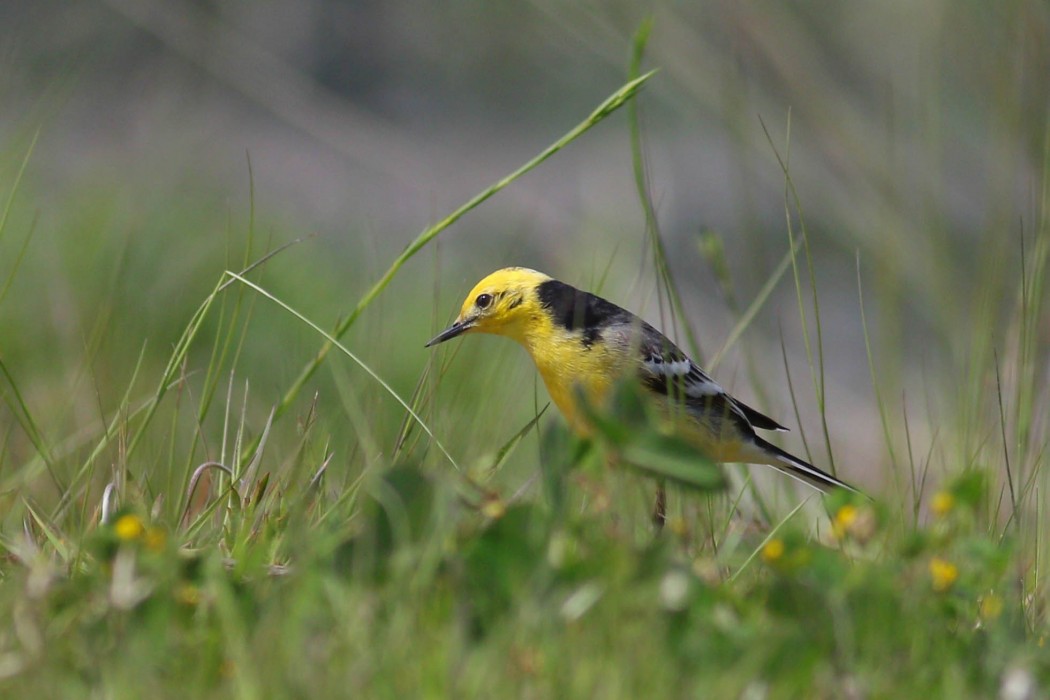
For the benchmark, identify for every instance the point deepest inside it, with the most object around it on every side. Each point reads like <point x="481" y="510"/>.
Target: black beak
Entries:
<point x="449" y="333"/>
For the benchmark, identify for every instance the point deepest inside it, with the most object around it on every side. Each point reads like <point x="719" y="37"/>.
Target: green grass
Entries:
<point x="222" y="499"/>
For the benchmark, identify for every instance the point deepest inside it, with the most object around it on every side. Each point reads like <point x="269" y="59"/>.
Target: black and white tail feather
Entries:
<point x="801" y="470"/>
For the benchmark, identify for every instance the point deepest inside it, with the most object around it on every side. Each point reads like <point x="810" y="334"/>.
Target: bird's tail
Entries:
<point x="800" y="469"/>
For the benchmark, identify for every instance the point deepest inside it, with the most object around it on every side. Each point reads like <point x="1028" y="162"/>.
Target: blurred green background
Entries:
<point x="146" y="146"/>
<point x="916" y="136"/>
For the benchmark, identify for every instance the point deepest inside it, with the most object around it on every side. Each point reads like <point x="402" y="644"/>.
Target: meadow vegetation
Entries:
<point x="227" y="470"/>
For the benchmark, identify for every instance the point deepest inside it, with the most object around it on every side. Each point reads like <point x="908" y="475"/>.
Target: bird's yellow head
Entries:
<point x="498" y="304"/>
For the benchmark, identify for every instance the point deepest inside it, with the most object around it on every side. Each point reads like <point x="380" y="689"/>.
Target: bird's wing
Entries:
<point x="669" y="371"/>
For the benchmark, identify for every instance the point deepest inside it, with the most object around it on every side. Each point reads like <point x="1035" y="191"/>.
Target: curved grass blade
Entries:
<point x="346" y="351"/>
<point x="610" y="105"/>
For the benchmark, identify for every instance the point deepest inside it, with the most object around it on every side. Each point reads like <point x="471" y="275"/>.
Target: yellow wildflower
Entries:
<point x="188" y="594"/>
<point x="156" y="538"/>
<point x="678" y="526"/>
<point x="494" y="508"/>
<point x="990" y="606"/>
<point x="129" y="527"/>
<point x="844" y="520"/>
<point x="944" y="573"/>
<point x="773" y="550"/>
<point x="942" y="503"/>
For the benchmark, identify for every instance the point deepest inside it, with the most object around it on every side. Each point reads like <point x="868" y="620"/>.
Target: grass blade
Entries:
<point x="346" y="351"/>
<point x="610" y="105"/>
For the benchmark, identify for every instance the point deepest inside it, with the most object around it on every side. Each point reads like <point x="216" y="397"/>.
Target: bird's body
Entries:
<point x="583" y="346"/>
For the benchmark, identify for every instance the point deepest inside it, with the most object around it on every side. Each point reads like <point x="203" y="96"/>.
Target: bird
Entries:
<point x="583" y="345"/>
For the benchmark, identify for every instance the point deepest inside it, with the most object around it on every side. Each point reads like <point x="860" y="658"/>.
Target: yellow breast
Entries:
<point x="570" y="368"/>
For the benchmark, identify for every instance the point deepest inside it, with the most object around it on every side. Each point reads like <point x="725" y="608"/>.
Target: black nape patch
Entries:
<point x="573" y="309"/>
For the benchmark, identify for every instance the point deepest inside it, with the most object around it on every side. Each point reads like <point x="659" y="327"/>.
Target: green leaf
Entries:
<point x="397" y="515"/>
<point x="628" y="411"/>
<point x="970" y="487"/>
<point x="670" y="457"/>
<point x="405" y="496"/>
<point x="560" y="452"/>
<point x="504" y="564"/>
<point x="630" y="430"/>
<point x="512" y="444"/>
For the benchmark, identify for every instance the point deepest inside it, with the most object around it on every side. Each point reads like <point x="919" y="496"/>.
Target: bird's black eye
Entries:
<point x="483" y="301"/>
